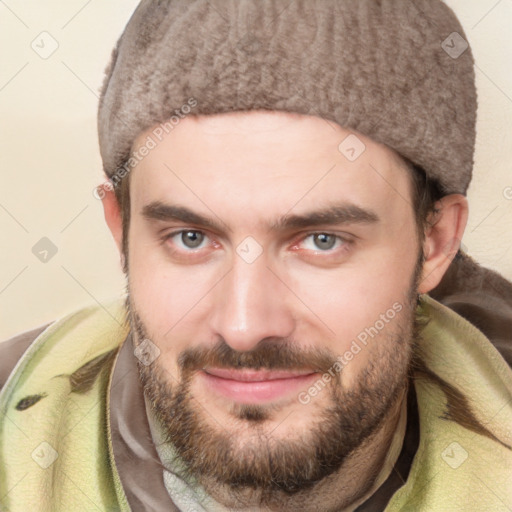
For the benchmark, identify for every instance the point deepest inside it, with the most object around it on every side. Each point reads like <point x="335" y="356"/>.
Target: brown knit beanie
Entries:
<point x="397" y="71"/>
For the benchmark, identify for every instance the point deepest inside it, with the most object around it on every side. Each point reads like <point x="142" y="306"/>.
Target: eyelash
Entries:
<point x="346" y="242"/>
<point x="180" y="232"/>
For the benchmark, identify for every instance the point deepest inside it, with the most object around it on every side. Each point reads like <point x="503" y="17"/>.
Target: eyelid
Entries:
<point x="171" y="234"/>
<point x="344" y="237"/>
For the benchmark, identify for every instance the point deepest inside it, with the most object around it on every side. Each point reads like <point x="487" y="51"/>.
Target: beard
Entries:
<point x="245" y="454"/>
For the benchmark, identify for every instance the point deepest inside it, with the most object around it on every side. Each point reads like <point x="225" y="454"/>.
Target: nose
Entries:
<point x="250" y="304"/>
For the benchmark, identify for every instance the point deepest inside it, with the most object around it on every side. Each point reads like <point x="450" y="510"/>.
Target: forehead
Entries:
<point x="267" y="163"/>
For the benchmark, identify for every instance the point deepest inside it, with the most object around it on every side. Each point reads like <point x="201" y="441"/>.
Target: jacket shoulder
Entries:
<point x="483" y="297"/>
<point x="12" y="349"/>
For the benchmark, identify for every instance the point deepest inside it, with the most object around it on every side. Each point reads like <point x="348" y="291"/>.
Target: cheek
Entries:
<point x="169" y="304"/>
<point x="175" y="302"/>
<point x="167" y="297"/>
<point x="348" y="301"/>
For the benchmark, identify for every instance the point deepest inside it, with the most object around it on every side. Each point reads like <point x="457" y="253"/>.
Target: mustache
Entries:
<point x="272" y="353"/>
<point x="269" y="354"/>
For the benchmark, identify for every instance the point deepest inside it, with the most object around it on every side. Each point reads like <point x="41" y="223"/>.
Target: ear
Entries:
<point x="112" y="214"/>
<point x="442" y="239"/>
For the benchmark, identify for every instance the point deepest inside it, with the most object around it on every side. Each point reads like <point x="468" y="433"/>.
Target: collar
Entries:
<point x="135" y="456"/>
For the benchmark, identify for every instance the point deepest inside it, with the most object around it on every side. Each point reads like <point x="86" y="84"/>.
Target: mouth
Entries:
<point x="255" y="386"/>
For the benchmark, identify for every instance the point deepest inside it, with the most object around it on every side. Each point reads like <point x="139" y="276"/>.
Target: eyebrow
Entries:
<point x="168" y="212"/>
<point x="335" y="215"/>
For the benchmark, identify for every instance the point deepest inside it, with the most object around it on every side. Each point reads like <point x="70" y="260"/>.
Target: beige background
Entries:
<point x="50" y="162"/>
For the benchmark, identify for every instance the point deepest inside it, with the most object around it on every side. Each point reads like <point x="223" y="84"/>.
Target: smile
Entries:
<point x="255" y="386"/>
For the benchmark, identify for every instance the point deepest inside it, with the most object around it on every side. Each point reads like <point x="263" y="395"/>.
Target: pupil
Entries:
<point x="324" y="241"/>
<point x="192" y="239"/>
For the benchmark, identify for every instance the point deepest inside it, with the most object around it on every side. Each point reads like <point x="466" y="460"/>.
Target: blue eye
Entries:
<point x="188" y="239"/>
<point x="322" y="241"/>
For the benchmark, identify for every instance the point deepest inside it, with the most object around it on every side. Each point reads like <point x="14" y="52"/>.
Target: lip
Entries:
<point x="255" y="386"/>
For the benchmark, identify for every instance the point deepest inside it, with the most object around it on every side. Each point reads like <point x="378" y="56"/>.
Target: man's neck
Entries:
<point x="359" y="477"/>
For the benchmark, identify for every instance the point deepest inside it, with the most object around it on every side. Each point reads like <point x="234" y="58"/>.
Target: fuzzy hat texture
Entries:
<point x="397" y="71"/>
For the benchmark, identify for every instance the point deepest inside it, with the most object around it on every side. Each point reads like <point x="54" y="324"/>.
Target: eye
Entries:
<point x="322" y="242"/>
<point x="188" y="239"/>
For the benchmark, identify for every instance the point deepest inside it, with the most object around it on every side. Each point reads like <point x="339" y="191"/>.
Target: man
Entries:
<point x="287" y="192"/>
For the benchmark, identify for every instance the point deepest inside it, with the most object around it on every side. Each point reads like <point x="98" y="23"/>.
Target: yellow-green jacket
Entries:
<point x="56" y="449"/>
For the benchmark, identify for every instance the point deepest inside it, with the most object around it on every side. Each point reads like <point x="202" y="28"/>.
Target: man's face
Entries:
<point x="276" y="276"/>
